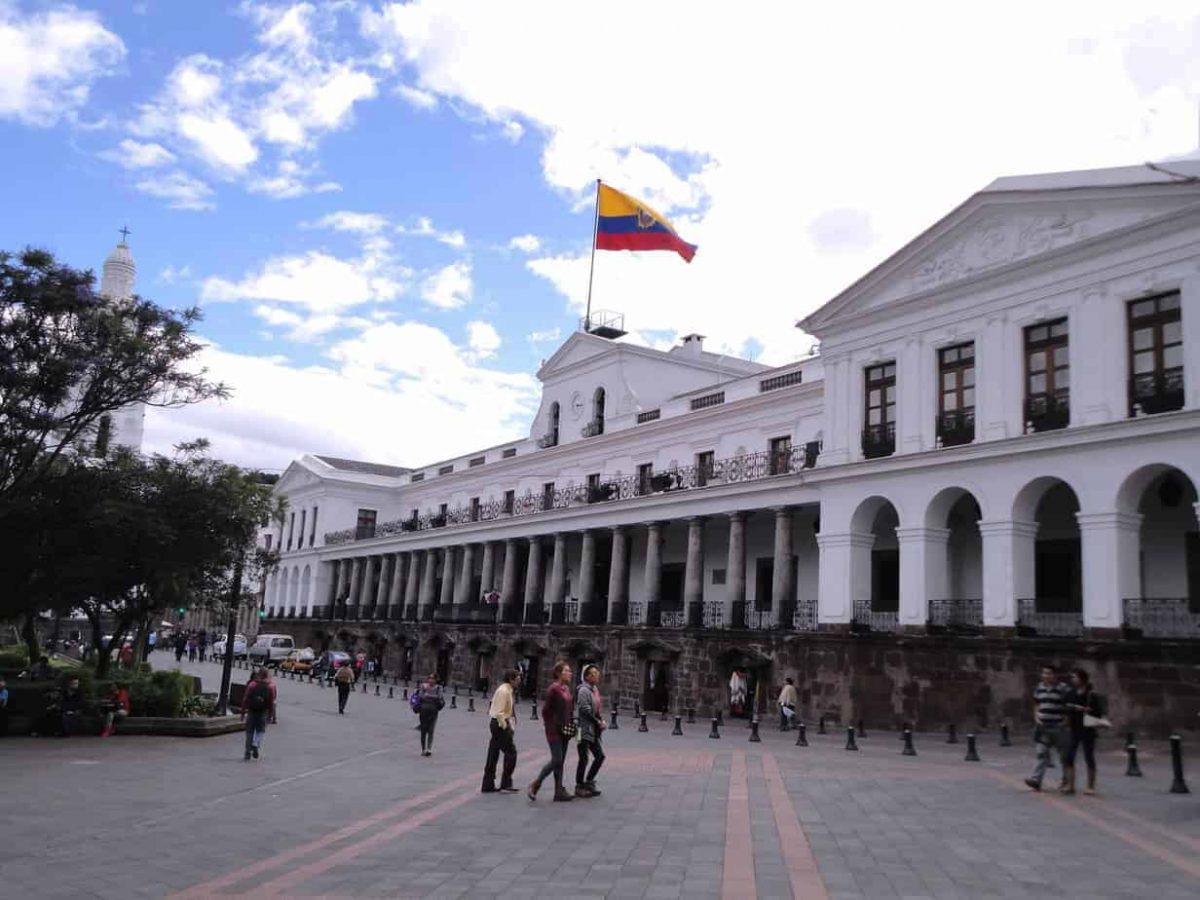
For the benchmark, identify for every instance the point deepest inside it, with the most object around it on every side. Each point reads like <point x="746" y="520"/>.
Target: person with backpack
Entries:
<point x="344" y="679"/>
<point x="427" y="702"/>
<point x="258" y="707"/>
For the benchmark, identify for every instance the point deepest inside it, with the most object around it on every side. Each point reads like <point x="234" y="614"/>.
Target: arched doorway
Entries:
<point x="1053" y="557"/>
<point x="1164" y="600"/>
<point x="955" y="573"/>
<point x="877" y="601"/>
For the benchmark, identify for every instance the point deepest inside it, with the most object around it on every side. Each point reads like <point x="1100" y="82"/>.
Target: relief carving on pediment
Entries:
<point x="998" y="240"/>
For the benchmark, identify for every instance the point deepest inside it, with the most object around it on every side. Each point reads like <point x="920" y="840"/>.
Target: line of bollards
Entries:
<point x="801" y="735"/>
<point x="613" y="721"/>
<point x="908" y="750"/>
<point x="642" y="726"/>
<point x="1178" y="785"/>
<point x="972" y="754"/>
<point x="754" y="738"/>
<point x="715" y="734"/>
<point x="678" y="730"/>
<point x="851" y="744"/>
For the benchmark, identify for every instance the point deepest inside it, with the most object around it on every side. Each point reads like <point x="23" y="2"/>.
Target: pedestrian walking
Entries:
<point x="202" y="644"/>
<point x="1085" y="714"/>
<point x="788" y="700"/>
<point x="191" y="648"/>
<point x="1049" y="713"/>
<point x="258" y="708"/>
<point x="429" y="704"/>
<point x="558" y="717"/>
<point x="502" y="723"/>
<point x="344" y="679"/>
<point x="591" y="727"/>
<point x="180" y="647"/>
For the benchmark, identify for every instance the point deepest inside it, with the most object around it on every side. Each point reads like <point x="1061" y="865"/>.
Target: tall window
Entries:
<point x="510" y="501"/>
<point x="593" y="483"/>
<point x="780" y="455"/>
<point x="365" y="528"/>
<point x="1155" y="355"/>
<point x="956" y="419"/>
<point x="548" y="495"/>
<point x="291" y="528"/>
<point x="474" y="509"/>
<point x="1047" y="376"/>
<point x="645" y="472"/>
<point x="706" y="464"/>
<point x="312" y="535"/>
<point x="879" y="431"/>
<point x="103" y="435"/>
<point x="303" y="523"/>
<point x="598" y="411"/>
<point x="551" y="437"/>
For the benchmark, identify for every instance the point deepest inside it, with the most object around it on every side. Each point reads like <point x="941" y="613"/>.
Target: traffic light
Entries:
<point x="181" y="611"/>
<point x="262" y="614"/>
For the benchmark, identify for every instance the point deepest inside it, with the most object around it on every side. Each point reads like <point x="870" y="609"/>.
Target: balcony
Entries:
<point x="1031" y="622"/>
<point x="956" y="616"/>
<point x="868" y="619"/>
<point x="759" y="619"/>
<point x="956" y="428"/>
<point x="804" y="617"/>
<point x="535" y="614"/>
<point x="879" y="440"/>
<point x="672" y="618"/>
<point x="637" y="612"/>
<point x="1156" y="392"/>
<point x="714" y="614"/>
<point x="1161" y="617"/>
<point x="593" y="428"/>
<point x="571" y="612"/>
<point x="465" y="614"/>
<point x="1047" y="412"/>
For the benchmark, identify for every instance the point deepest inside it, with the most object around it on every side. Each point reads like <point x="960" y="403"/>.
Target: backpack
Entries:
<point x="260" y="700"/>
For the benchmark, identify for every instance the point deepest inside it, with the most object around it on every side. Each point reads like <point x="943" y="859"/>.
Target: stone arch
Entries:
<point x="954" y="569"/>
<point x="875" y="564"/>
<point x="1048" y="562"/>
<point x="862" y="520"/>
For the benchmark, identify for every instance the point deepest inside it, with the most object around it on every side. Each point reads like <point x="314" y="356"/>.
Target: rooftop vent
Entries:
<point x="604" y="323"/>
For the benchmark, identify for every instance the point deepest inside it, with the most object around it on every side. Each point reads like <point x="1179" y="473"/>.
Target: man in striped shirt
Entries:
<point x="1050" y="713"/>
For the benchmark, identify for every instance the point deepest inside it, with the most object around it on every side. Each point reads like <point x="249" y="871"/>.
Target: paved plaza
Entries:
<point x="345" y="806"/>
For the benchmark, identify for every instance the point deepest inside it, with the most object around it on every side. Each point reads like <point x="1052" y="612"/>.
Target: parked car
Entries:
<point x="299" y="661"/>
<point x="239" y="647"/>
<point x="271" y="649"/>
<point x="329" y="662"/>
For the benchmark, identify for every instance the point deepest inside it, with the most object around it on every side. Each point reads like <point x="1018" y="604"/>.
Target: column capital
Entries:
<point x="1015" y="527"/>
<point x="737" y="515"/>
<point x="696" y="521"/>
<point x="1120" y="521"/>
<point x="917" y="533"/>
<point x="781" y="511"/>
<point x="534" y="540"/>
<point x="862" y="540"/>
<point x="619" y="529"/>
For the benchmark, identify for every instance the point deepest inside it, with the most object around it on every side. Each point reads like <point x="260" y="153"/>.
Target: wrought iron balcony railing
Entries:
<point x="672" y="618"/>
<point x="714" y="614"/>
<point x="956" y="615"/>
<point x="804" y="617"/>
<point x="879" y="440"/>
<point x="1048" y="412"/>
<point x="1161" y="617"/>
<point x="957" y="427"/>
<point x="637" y="612"/>
<point x="571" y="612"/>
<point x="1033" y="622"/>
<point x="1156" y="392"/>
<point x="865" y="617"/>
<point x="759" y="619"/>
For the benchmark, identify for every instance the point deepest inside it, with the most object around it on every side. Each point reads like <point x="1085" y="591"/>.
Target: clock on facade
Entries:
<point x="576" y="405"/>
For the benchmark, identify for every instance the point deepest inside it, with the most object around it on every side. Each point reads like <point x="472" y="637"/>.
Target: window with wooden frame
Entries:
<point x="780" y="455"/>
<point x="879" y="418"/>
<point x="1047" y="376"/>
<point x="645" y="472"/>
<point x="956" y="405"/>
<point x="474" y="509"/>
<point x="1155" y="354"/>
<point x="510" y="501"/>
<point x="365" y="527"/>
<point x="706" y="464"/>
<point x="548" y="495"/>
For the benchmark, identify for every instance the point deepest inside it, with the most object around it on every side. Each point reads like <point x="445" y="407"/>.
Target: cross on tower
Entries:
<point x="125" y="232"/>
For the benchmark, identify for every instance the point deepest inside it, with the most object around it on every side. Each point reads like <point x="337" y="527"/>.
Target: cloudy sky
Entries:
<point x="385" y="208"/>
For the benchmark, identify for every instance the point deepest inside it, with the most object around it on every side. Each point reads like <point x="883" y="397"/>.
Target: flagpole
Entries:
<point x="587" y="321"/>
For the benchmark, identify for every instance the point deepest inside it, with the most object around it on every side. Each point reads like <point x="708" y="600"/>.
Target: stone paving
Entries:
<point x="345" y="806"/>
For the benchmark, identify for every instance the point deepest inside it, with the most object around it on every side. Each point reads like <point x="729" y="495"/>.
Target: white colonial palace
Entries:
<point x="1001" y="431"/>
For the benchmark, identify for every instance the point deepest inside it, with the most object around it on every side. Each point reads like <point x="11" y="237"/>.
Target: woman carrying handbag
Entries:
<point x="1085" y="714"/>
<point x="558" y="717"/>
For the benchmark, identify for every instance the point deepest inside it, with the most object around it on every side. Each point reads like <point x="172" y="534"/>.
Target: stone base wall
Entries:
<point x="1153" y="687"/>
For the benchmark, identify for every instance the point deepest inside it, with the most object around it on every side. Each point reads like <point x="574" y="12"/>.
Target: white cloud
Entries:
<point x="172" y="274"/>
<point x="417" y="97"/>
<point x="131" y="154"/>
<point x="290" y="180"/>
<point x="49" y="60"/>
<point x="179" y="190"/>
<point x="450" y="287"/>
<point x="355" y="222"/>
<point x="752" y="157"/>
<point x="373" y="389"/>
<point x="218" y="139"/>
<point x="526" y="243"/>
<point x="482" y="339"/>
<point x="424" y="228"/>
<point x="306" y="328"/>
<point x="545" y="336"/>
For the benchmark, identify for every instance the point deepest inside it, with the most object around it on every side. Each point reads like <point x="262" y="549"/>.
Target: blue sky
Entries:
<point x="384" y="208"/>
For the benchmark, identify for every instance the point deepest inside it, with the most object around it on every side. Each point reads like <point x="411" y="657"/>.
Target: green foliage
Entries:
<point x="163" y="694"/>
<point x="13" y="660"/>
<point x="87" y="681"/>
<point x="198" y="706"/>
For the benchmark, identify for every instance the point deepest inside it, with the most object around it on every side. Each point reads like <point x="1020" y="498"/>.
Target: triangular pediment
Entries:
<point x="295" y="477"/>
<point x="578" y="348"/>
<point x="993" y="231"/>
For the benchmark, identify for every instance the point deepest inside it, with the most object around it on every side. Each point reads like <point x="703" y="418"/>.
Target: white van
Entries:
<point x="271" y="649"/>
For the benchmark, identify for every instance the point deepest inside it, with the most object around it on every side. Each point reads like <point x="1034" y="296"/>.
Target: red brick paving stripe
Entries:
<point x="1079" y="810"/>
<point x="797" y="853"/>
<point x="248" y="872"/>
<point x="737" y="876"/>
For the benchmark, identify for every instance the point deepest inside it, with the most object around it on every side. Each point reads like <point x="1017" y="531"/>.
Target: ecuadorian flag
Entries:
<point x="623" y="223"/>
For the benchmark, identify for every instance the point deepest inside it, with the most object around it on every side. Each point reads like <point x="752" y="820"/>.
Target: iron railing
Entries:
<point x="875" y="620"/>
<point x="957" y="427"/>
<point x="879" y="440"/>
<point x="1161" y="617"/>
<point x="1156" y="392"/>
<point x="571" y="612"/>
<point x="714" y="614"/>
<point x="730" y="470"/>
<point x="672" y="618"/>
<point x="804" y="617"/>
<point x="759" y="619"/>
<point x="1048" y="412"/>
<point x="956" y="614"/>
<point x="637" y="612"/>
<point x="1031" y="621"/>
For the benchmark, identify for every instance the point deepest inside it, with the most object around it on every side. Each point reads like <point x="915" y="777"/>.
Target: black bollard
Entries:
<point x="391" y="693"/>
<point x="851" y="744"/>
<point x="714" y="734"/>
<point x="952" y="734"/>
<point x="1178" y="785"/>
<point x="613" y="721"/>
<point x="642" y="726"/>
<point x="862" y="729"/>
<point x="908" y="750"/>
<point x="1132" y="770"/>
<point x="678" y="730"/>
<point x="972" y="755"/>
<point x="821" y="726"/>
<point x="691" y="715"/>
<point x="754" y="738"/>
<point x="470" y="704"/>
<point x="406" y="693"/>
<point x="454" y="701"/>
<point x="533" y="711"/>
<point x="1004" y="741"/>
<point x="720" y="718"/>
<point x="801" y="735"/>
<point x="376" y="690"/>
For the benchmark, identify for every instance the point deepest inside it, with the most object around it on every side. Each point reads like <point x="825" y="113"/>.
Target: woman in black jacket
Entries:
<point x="1083" y="701"/>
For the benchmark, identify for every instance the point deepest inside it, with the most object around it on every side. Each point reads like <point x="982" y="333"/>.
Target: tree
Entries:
<point x="70" y="356"/>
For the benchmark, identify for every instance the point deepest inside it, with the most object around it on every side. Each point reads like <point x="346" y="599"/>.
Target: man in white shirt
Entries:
<point x="788" y="700"/>
<point x="502" y="722"/>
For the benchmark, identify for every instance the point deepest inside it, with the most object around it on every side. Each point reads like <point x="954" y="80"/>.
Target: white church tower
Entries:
<point x="126" y="425"/>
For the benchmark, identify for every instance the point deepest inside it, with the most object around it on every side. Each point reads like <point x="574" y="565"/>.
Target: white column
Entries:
<point x="487" y="578"/>
<point x="446" y="599"/>
<point x="356" y="579"/>
<point x="508" y="583"/>
<point x="428" y="584"/>
<point x="412" y="585"/>
<point x="783" y="585"/>
<point x="386" y="564"/>
<point x="533" y="579"/>
<point x="693" y="574"/>
<point x="1008" y="569"/>
<point x="735" y="568"/>
<point x="466" y="575"/>
<point x="618" y="577"/>
<point x="844" y="575"/>
<point x="653" y="570"/>
<point x="1109" y="547"/>
<point x="922" y="571"/>
<point x="558" y="575"/>
<point x="587" y="576"/>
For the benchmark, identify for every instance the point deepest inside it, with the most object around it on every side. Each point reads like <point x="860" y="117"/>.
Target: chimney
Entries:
<point x="692" y="345"/>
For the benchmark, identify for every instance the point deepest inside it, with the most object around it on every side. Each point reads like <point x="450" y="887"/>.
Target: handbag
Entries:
<point x="1090" y="721"/>
<point x="569" y="730"/>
